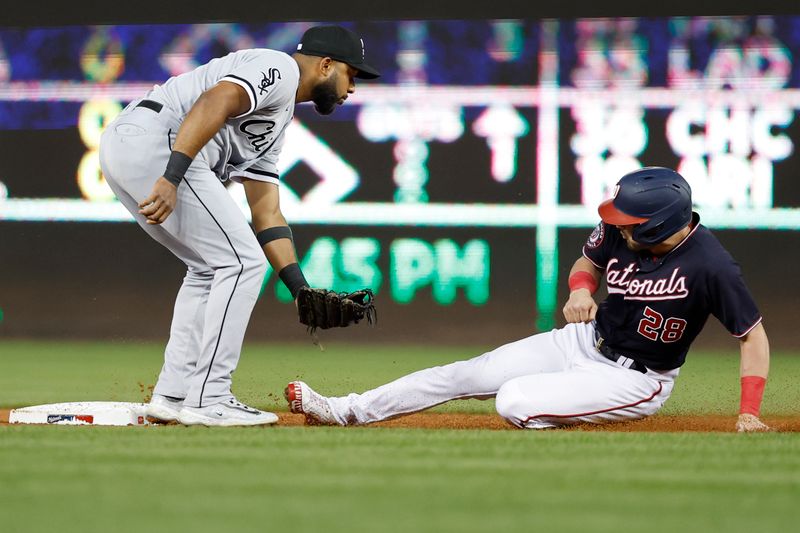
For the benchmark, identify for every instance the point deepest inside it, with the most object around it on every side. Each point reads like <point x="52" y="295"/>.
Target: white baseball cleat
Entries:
<point x="302" y="399"/>
<point x="231" y="412"/>
<point x="163" y="409"/>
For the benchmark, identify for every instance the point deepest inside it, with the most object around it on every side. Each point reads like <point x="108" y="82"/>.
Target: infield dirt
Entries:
<point x="654" y="424"/>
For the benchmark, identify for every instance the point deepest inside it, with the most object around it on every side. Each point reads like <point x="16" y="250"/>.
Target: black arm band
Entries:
<point x="177" y="166"/>
<point x="270" y="234"/>
<point x="293" y="278"/>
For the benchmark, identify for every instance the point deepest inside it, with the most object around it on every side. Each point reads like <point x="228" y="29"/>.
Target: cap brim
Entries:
<point x="366" y="72"/>
<point x="612" y="215"/>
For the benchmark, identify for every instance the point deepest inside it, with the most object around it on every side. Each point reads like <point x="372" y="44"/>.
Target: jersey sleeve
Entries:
<point x="731" y="301"/>
<point x="598" y="246"/>
<point x="269" y="81"/>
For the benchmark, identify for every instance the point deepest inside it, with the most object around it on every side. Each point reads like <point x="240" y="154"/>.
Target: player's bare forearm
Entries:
<point x="754" y="370"/>
<point x="755" y="353"/>
<point x="280" y="253"/>
<point x="208" y="115"/>
<point x="580" y="306"/>
<point x="265" y="211"/>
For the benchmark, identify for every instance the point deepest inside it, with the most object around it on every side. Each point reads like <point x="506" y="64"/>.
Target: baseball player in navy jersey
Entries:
<point x="166" y="158"/>
<point x="665" y="274"/>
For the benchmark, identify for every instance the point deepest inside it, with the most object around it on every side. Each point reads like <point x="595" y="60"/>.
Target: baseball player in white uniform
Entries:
<point x="166" y="158"/>
<point x="665" y="274"/>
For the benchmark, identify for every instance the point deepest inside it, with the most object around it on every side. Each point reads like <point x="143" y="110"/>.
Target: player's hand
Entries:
<point x="748" y="423"/>
<point x="158" y="206"/>
<point x="580" y="307"/>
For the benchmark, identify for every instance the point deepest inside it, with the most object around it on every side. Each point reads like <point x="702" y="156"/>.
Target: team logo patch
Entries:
<point x="596" y="238"/>
<point x="268" y="80"/>
<point x="257" y="132"/>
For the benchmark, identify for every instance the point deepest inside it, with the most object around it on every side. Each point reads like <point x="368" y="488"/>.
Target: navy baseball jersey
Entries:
<point x="656" y="306"/>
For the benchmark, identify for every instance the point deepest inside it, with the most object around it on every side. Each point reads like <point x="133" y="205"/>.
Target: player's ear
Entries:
<point x="325" y="66"/>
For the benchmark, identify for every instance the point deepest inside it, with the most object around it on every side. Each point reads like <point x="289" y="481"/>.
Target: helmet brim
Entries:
<point x="615" y="217"/>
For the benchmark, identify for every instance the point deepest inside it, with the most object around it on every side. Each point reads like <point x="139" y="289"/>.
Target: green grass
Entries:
<point x="34" y="372"/>
<point x="85" y="479"/>
<point x="359" y="479"/>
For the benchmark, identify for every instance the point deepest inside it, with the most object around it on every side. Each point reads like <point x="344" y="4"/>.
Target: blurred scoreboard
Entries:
<point x="480" y="142"/>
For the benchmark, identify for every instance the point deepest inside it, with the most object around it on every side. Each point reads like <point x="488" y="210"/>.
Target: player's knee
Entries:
<point x="508" y="403"/>
<point x="257" y="267"/>
<point x="520" y="407"/>
<point x="254" y="268"/>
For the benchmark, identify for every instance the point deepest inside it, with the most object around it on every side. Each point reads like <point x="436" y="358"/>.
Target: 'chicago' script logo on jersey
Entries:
<point x="257" y="132"/>
<point x="621" y="281"/>
<point x="269" y="81"/>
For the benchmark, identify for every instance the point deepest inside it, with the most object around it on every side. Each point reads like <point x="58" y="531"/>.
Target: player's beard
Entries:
<point x="325" y="96"/>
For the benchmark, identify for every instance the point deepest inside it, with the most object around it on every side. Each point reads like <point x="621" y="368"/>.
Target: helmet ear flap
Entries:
<point x="649" y="233"/>
<point x="670" y="220"/>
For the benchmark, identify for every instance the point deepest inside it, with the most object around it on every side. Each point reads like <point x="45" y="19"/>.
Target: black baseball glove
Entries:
<point x="322" y="308"/>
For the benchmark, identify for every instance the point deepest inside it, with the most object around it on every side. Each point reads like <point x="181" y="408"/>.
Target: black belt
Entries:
<point x="622" y="360"/>
<point x="151" y="104"/>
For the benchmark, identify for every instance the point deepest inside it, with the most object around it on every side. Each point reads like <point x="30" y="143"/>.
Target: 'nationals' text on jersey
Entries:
<point x="656" y="306"/>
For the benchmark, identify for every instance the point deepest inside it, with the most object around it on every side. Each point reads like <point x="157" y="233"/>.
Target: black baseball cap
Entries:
<point x="340" y="44"/>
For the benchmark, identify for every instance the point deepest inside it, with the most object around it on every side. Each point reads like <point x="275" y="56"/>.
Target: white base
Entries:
<point x="82" y="414"/>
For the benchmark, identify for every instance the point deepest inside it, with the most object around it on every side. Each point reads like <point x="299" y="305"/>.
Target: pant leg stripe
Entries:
<point x="225" y="314"/>
<point x="634" y="404"/>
